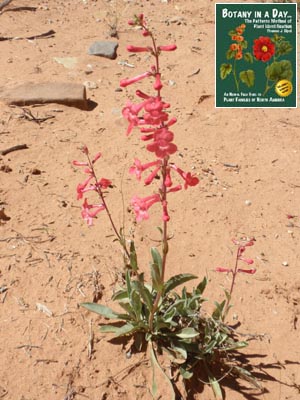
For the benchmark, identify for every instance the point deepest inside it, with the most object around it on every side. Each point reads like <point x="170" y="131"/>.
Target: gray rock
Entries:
<point x="70" y="94"/>
<point x="104" y="49"/>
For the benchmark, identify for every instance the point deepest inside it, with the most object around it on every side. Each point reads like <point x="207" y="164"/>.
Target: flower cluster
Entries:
<point x="242" y="245"/>
<point x="154" y="122"/>
<point x="263" y="48"/>
<point x="238" y="37"/>
<point x="90" y="211"/>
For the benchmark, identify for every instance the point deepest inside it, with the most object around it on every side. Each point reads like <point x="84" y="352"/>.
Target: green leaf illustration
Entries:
<point x="248" y="57"/>
<point x="225" y="70"/>
<point x="283" y="47"/>
<point x="279" y="70"/>
<point x="247" y="77"/>
<point x="230" y="54"/>
<point x="244" y="44"/>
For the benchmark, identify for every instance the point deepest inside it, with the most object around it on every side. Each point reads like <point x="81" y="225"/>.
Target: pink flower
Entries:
<point x="162" y="148"/>
<point x="248" y="261"/>
<point x="157" y="84"/>
<point x="89" y="211"/>
<point x="137" y="168"/>
<point x="222" y="269"/>
<point x="136" y="49"/>
<point x="104" y="183"/>
<point x="153" y="174"/>
<point x="169" y="47"/>
<point x="142" y="205"/>
<point x="174" y="189"/>
<point x="190" y="180"/>
<point x="97" y="156"/>
<point x="166" y="216"/>
<point x="130" y="81"/>
<point x="247" y="271"/>
<point x="130" y="112"/>
<point x="80" y="163"/>
<point x="81" y="187"/>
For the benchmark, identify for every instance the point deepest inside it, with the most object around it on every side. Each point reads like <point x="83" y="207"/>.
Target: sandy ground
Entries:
<point x="50" y="261"/>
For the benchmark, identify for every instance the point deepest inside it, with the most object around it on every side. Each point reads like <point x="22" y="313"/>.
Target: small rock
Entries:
<point x="89" y="69"/>
<point x="90" y="85"/>
<point x="35" y="171"/>
<point x="104" y="49"/>
<point x="285" y="263"/>
<point x="248" y="202"/>
<point x="67" y="62"/>
<point x="70" y="94"/>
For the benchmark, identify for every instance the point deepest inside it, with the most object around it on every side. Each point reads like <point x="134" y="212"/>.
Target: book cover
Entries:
<point x="256" y="48"/>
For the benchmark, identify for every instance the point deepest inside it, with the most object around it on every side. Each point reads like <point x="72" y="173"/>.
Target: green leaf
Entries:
<point x="232" y="32"/>
<point x="185" y="373"/>
<point x="136" y="304"/>
<point x="128" y="283"/>
<point x="244" y="44"/>
<point x="157" y="368"/>
<point x="177" y="280"/>
<point x="187" y="333"/>
<point x="247" y="77"/>
<point x="225" y="70"/>
<point x="248" y="57"/>
<point x="120" y="295"/>
<point x="283" y="47"/>
<point x="103" y="310"/>
<point x="157" y="282"/>
<point x="216" y="387"/>
<point x="156" y="257"/>
<point x="125" y="330"/>
<point x="230" y="54"/>
<point x="202" y="285"/>
<point x="279" y="70"/>
<point x="133" y="257"/>
<point x="145" y="294"/>
<point x="109" y="328"/>
<point x="217" y="314"/>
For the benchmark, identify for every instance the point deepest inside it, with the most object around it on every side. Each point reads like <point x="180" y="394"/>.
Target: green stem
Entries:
<point x="235" y="77"/>
<point x="165" y="246"/>
<point x="101" y="196"/>
<point x="234" y="274"/>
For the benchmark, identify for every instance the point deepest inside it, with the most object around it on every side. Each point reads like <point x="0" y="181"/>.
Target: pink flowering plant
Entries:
<point x="153" y="312"/>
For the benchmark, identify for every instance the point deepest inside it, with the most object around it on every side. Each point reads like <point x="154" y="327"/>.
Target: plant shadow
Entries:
<point x="262" y="372"/>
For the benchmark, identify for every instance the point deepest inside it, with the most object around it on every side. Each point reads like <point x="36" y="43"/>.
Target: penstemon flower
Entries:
<point x="151" y="118"/>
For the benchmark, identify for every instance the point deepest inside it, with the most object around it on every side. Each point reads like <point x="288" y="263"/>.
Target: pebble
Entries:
<point x="104" y="49"/>
<point x="90" y="85"/>
<point x="248" y="202"/>
<point x="67" y="62"/>
<point x="285" y="263"/>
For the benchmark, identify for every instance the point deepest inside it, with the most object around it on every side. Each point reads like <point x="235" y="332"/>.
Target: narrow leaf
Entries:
<point x="102" y="310"/>
<point x="157" y="368"/>
<point x="133" y="257"/>
<point x="177" y="280"/>
<point x="156" y="257"/>
<point x="187" y="333"/>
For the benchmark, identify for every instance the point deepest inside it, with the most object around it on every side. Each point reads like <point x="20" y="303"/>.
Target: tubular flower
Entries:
<point x="247" y="271"/>
<point x="137" y="49"/>
<point x="142" y="205"/>
<point x="169" y="47"/>
<point x="263" y="48"/>
<point x="137" y="168"/>
<point x="130" y="81"/>
<point x="82" y="187"/>
<point x="162" y="148"/>
<point x="130" y="112"/>
<point x="190" y="180"/>
<point x="89" y="211"/>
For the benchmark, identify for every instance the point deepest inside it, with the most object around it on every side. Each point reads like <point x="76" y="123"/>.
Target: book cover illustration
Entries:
<point x="256" y="47"/>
